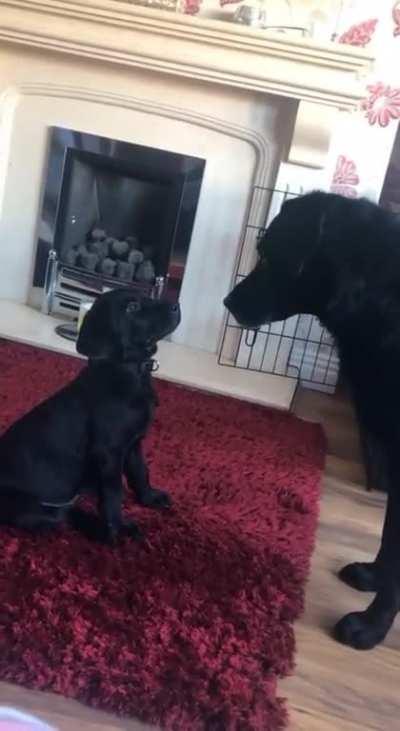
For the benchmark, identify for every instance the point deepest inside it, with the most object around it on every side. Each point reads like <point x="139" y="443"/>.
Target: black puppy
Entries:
<point x="89" y="434"/>
<point x="339" y="259"/>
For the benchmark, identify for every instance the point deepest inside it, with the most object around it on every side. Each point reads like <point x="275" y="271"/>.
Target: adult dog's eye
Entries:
<point x="132" y="307"/>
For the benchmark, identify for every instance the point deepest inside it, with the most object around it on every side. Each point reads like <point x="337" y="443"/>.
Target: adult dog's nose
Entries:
<point x="175" y="307"/>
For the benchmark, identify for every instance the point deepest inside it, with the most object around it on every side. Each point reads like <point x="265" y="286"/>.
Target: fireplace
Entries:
<point x="257" y="108"/>
<point x="113" y="214"/>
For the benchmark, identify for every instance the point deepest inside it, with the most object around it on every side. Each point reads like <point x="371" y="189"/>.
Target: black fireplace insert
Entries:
<point x="116" y="213"/>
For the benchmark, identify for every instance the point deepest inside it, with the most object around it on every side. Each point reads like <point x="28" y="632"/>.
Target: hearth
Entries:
<point x="113" y="214"/>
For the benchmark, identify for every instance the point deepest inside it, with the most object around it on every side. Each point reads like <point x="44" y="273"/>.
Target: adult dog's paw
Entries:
<point x="361" y="576"/>
<point x="357" y="630"/>
<point x="154" y="498"/>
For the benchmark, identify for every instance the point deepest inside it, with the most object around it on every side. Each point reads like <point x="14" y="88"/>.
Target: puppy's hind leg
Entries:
<point x="25" y="511"/>
<point x="88" y="524"/>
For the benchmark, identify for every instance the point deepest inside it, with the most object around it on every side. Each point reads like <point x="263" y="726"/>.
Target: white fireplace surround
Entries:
<point x="242" y="99"/>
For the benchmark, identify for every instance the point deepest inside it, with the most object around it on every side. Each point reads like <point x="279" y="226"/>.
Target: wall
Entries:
<point x="363" y="141"/>
<point x="321" y="16"/>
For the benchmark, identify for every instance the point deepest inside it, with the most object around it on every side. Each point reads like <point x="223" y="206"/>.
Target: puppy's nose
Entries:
<point x="175" y="307"/>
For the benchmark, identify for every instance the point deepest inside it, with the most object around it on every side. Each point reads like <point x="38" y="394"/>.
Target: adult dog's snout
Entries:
<point x="232" y="304"/>
<point x="229" y="301"/>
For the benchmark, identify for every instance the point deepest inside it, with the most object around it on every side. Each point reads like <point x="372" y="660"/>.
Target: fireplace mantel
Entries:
<point x="323" y="78"/>
<point x="210" y="50"/>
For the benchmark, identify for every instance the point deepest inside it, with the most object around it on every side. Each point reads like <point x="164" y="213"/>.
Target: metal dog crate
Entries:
<point x="298" y="347"/>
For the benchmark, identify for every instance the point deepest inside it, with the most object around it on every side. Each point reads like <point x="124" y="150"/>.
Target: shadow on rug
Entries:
<point x="190" y="629"/>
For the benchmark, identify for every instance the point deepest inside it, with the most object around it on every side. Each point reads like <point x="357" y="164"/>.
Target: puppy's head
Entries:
<point x="123" y="326"/>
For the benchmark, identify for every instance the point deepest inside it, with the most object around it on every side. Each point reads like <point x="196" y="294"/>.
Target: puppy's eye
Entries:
<point x="132" y="307"/>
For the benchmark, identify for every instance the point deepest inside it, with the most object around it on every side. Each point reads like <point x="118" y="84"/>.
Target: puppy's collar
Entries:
<point x="151" y="365"/>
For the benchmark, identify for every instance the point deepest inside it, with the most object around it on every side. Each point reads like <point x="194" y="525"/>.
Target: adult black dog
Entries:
<point x="339" y="259"/>
<point x="89" y="434"/>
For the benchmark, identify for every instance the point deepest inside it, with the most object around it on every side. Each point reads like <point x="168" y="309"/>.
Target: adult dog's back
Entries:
<point x="339" y="259"/>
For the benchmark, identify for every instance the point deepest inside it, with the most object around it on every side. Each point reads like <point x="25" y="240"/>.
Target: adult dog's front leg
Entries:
<point x="364" y="630"/>
<point x="375" y="460"/>
<point x="137" y="475"/>
<point x="110" y="499"/>
<point x="365" y="576"/>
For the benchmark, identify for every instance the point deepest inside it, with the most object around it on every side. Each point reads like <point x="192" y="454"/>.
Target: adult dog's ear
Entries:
<point x="98" y="337"/>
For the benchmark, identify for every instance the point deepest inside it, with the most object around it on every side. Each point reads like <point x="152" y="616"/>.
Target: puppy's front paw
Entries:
<point x="112" y="534"/>
<point x="357" y="630"/>
<point x="131" y="530"/>
<point x="125" y="530"/>
<point x="154" y="498"/>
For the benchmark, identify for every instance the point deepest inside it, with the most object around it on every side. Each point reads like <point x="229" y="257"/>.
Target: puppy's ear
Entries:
<point x="97" y="337"/>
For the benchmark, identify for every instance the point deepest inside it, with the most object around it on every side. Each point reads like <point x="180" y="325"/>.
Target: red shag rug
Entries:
<point x="192" y="628"/>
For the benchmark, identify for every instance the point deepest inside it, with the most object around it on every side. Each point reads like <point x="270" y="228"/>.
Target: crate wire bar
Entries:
<point x="298" y="347"/>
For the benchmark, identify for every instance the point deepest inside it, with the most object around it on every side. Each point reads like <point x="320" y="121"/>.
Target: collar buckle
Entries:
<point x="150" y="366"/>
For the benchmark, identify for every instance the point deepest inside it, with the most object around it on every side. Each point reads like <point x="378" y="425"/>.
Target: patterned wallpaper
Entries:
<point x="390" y="197"/>
<point x="363" y="141"/>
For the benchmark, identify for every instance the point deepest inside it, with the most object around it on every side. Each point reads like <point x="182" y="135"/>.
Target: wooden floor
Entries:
<point x="334" y="688"/>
